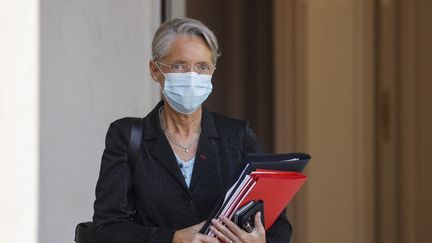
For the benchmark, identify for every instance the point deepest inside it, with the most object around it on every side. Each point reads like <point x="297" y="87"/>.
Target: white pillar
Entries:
<point x="19" y="116"/>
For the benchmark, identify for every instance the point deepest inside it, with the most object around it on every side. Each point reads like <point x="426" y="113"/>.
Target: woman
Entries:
<point x="187" y="157"/>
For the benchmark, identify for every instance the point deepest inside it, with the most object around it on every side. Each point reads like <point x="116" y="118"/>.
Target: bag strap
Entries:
<point x="84" y="231"/>
<point x="135" y="141"/>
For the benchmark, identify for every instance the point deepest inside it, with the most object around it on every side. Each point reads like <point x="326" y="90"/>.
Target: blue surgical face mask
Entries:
<point x="185" y="92"/>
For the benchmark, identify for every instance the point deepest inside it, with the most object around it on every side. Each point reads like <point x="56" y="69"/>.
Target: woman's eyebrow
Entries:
<point x="178" y="61"/>
<point x="203" y="62"/>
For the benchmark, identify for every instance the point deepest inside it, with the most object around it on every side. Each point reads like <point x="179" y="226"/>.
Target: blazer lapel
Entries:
<point x="207" y="153"/>
<point x="159" y="147"/>
<point x="164" y="154"/>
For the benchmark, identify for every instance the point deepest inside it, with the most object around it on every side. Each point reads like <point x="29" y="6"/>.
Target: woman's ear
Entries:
<point x="154" y="71"/>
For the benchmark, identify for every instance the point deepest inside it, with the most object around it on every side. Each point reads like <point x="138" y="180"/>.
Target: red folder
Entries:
<point x="272" y="178"/>
<point x="275" y="189"/>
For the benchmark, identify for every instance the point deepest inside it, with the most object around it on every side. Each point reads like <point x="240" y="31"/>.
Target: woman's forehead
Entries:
<point x="189" y="49"/>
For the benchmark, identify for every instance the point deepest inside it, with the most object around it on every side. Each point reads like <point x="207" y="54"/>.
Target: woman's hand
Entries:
<point x="231" y="233"/>
<point x="191" y="235"/>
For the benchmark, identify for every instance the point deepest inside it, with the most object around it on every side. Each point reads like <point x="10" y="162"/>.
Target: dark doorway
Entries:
<point x="243" y="82"/>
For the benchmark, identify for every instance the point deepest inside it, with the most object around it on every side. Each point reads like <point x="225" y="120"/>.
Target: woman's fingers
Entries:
<point x="233" y="227"/>
<point x="220" y="235"/>
<point x="239" y="234"/>
<point x="228" y="231"/>
<point x="223" y="232"/>
<point x="209" y="239"/>
<point x="258" y="223"/>
<point x="200" y="238"/>
<point x="189" y="233"/>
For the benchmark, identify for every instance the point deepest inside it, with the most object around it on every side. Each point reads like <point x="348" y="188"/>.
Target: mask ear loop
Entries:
<point x="160" y="70"/>
<point x="157" y="65"/>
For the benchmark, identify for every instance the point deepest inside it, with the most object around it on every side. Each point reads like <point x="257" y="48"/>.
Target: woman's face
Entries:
<point x="189" y="50"/>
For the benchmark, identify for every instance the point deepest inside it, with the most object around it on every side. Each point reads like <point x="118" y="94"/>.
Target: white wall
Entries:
<point x="19" y="108"/>
<point x="94" y="69"/>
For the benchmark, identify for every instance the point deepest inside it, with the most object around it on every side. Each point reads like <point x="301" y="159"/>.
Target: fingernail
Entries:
<point x="259" y="214"/>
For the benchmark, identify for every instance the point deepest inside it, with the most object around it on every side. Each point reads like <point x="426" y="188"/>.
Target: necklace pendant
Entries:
<point x="187" y="150"/>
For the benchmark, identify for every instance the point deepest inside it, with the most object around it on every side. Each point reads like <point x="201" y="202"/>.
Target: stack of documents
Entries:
<point x="271" y="178"/>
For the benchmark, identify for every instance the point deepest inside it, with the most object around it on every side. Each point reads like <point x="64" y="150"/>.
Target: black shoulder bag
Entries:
<point x="84" y="232"/>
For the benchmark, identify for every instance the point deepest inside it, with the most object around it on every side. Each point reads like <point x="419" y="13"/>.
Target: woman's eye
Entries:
<point x="203" y="68"/>
<point x="177" y="66"/>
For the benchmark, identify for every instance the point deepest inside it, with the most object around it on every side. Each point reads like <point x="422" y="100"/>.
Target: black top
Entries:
<point x="157" y="202"/>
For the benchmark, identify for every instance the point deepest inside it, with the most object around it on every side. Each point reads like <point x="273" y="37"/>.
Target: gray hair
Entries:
<point x="170" y="30"/>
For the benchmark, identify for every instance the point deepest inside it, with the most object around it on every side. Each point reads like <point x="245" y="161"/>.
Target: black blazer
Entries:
<point x="154" y="202"/>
